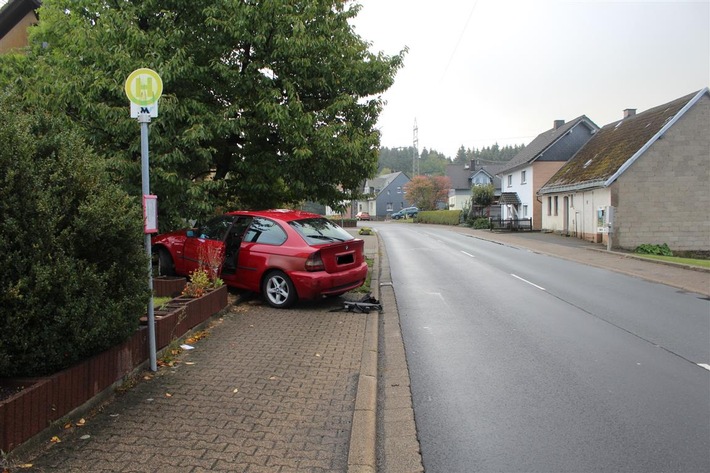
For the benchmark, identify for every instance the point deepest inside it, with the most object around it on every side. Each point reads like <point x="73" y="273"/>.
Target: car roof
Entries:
<point x="286" y="215"/>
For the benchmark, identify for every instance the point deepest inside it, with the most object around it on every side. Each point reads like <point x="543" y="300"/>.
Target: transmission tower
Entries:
<point x="415" y="152"/>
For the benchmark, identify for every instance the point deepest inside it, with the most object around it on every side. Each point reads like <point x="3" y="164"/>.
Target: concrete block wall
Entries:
<point x="664" y="196"/>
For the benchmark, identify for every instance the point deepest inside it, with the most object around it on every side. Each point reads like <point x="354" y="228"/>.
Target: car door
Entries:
<point x="204" y="247"/>
<point x="258" y="245"/>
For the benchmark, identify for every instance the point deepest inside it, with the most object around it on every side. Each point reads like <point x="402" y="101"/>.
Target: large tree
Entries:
<point x="427" y="192"/>
<point x="265" y="102"/>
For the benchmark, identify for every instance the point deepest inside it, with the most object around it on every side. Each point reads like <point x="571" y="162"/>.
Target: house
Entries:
<point x="385" y="195"/>
<point x="528" y="171"/>
<point x="653" y="168"/>
<point x="15" y="17"/>
<point x="465" y="176"/>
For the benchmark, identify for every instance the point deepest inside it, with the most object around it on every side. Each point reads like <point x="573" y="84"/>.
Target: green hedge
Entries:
<point x="441" y="217"/>
<point x="73" y="271"/>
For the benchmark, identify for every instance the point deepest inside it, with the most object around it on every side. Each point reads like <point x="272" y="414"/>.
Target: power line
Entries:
<point x="465" y="26"/>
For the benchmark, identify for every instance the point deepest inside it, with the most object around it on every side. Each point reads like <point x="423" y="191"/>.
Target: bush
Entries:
<point x="481" y="223"/>
<point x="661" y="250"/>
<point x="442" y="217"/>
<point x="73" y="270"/>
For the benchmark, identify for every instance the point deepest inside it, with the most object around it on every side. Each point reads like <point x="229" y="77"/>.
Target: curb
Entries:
<point x="362" y="457"/>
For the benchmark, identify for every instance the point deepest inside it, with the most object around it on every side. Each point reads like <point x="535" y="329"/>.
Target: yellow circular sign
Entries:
<point x="144" y="87"/>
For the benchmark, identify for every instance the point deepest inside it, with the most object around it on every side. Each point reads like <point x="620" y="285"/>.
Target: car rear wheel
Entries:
<point x="278" y="290"/>
<point x="165" y="263"/>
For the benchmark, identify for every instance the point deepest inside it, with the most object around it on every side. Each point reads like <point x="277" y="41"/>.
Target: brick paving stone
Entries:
<point x="266" y="390"/>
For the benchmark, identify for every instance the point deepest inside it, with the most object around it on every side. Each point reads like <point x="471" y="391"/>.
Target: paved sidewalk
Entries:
<point x="264" y="391"/>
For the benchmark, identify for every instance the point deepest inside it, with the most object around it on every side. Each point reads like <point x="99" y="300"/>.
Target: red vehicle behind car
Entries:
<point x="284" y="254"/>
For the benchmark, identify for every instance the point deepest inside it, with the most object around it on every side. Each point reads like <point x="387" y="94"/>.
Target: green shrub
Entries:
<point x="481" y="223"/>
<point x="661" y="250"/>
<point x="73" y="270"/>
<point x="441" y="217"/>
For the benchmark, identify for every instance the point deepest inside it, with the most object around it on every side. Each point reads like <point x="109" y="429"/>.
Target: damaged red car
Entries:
<point x="286" y="255"/>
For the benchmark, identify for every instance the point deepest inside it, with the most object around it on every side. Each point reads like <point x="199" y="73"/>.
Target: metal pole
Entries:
<point x="144" y="119"/>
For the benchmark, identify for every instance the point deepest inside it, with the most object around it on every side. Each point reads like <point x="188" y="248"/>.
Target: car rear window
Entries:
<point x="317" y="231"/>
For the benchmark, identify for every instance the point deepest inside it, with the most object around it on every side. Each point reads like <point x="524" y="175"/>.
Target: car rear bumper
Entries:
<point x="310" y="285"/>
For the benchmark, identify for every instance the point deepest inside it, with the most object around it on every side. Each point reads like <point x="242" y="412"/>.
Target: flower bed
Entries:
<point x="43" y="401"/>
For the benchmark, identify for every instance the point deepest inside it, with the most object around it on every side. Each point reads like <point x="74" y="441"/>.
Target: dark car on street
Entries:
<point x="286" y="255"/>
<point x="407" y="212"/>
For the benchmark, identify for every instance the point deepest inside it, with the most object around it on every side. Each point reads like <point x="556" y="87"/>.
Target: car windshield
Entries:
<point x="316" y="231"/>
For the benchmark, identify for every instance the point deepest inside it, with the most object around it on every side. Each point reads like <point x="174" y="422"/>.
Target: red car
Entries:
<point x="284" y="254"/>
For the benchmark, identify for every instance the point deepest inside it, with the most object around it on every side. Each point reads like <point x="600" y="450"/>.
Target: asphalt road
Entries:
<point x="525" y="362"/>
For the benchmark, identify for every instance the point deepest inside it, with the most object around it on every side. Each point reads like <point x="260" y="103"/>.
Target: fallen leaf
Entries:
<point x="25" y="465"/>
<point x="81" y="422"/>
<point x="85" y="437"/>
<point x="55" y="439"/>
<point x="189" y="362"/>
<point x="273" y="377"/>
<point x="67" y="425"/>
<point x="236" y="390"/>
<point x="318" y="355"/>
<point x="168" y="395"/>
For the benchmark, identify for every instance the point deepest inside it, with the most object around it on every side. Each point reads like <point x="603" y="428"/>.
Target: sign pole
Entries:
<point x="144" y="120"/>
<point x="143" y="88"/>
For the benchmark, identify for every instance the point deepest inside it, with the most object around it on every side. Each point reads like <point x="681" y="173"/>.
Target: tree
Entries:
<point x="73" y="270"/>
<point x="433" y="163"/>
<point x="265" y="103"/>
<point x="482" y="197"/>
<point x="426" y="192"/>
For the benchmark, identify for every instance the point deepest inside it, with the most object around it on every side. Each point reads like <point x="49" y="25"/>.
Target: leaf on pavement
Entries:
<point x="55" y="439"/>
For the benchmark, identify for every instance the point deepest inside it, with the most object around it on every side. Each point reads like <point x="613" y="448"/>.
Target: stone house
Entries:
<point x="653" y="168"/>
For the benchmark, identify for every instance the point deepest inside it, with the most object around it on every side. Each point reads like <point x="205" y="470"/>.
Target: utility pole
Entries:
<point x="415" y="152"/>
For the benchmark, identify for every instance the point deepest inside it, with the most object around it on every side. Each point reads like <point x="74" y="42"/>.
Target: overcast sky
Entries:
<point x="485" y="71"/>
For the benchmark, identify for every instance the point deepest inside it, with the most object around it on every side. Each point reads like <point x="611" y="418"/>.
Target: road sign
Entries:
<point x="143" y="88"/>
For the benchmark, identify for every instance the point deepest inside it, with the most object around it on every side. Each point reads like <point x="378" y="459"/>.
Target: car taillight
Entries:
<point x="315" y="262"/>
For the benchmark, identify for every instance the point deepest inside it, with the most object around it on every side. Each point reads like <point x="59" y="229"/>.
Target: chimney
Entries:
<point x="557" y="124"/>
<point x="629" y="112"/>
<point x="472" y="167"/>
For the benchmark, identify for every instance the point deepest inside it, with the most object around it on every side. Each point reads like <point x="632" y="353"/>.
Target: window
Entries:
<point x="522" y="177"/>
<point x="216" y="229"/>
<point x="265" y="231"/>
<point x="389" y="207"/>
<point x="549" y="206"/>
<point x="399" y="190"/>
<point x="525" y="211"/>
<point x="556" y="205"/>
<point x="317" y="231"/>
<point x="510" y="180"/>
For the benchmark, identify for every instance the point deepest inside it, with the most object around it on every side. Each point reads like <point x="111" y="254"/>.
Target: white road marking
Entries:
<point x="704" y="365"/>
<point x="468" y="254"/>
<point x="525" y="280"/>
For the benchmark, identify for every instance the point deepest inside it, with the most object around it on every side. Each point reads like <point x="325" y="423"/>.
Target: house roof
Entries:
<point x="381" y="182"/>
<point x="13" y="12"/>
<point x="617" y="145"/>
<point x="460" y="176"/>
<point x="542" y="142"/>
<point x="511" y="198"/>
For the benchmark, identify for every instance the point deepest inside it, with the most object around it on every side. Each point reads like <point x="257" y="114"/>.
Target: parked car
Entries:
<point x="407" y="212"/>
<point x="362" y="216"/>
<point x="286" y="255"/>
